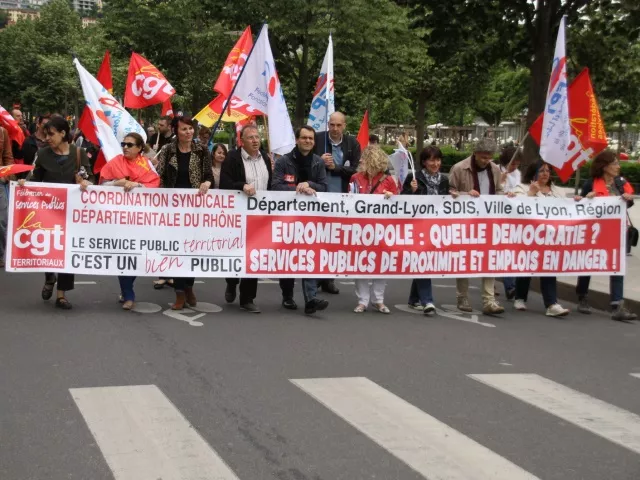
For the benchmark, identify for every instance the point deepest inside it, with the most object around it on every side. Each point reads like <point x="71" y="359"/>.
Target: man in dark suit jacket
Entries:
<point x="247" y="169"/>
<point x="341" y="156"/>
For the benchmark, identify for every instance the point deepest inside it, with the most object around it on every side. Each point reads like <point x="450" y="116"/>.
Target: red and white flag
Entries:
<point x="11" y="126"/>
<point x="14" y="169"/>
<point x="234" y="64"/>
<point x="556" y="129"/>
<point x="146" y="86"/>
<point x="111" y="122"/>
<point x="167" y="109"/>
<point x="363" y="133"/>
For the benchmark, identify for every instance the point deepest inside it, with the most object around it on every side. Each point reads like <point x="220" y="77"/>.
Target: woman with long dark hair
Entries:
<point x="184" y="163"/>
<point x="60" y="162"/>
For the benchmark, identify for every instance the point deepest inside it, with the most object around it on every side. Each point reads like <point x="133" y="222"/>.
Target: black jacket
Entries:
<point x="285" y="176"/>
<point x="48" y="170"/>
<point x="233" y="175"/>
<point x="443" y="187"/>
<point x="351" y="154"/>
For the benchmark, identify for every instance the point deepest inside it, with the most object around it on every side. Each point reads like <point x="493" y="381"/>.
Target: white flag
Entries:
<point x="111" y="120"/>
<point x="259" y="86"/>
<point x="323" y="103"/>
<point x="399" y="160"/>
<point x="556" y="129"/>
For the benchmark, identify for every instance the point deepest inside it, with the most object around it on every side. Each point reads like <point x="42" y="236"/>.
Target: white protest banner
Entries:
<point x="177" y="232"/>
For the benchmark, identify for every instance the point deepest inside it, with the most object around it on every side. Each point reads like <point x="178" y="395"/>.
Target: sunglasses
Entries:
<point x="127" y="144"/>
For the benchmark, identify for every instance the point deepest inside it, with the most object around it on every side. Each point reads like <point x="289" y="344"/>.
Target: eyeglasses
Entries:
<point x="127" y="144"/>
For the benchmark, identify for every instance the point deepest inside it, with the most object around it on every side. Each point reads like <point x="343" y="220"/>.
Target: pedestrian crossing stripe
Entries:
<point x="142" y="435"/>
<point x="637" y="375"/>
<point x="425" y="444"/>
<point x="608" y="421"/>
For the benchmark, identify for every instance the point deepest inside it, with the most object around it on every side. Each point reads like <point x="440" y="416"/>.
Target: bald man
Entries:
<point x="341" y="156"/>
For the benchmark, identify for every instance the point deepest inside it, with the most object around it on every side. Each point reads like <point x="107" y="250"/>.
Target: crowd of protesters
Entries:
<point x="175" y="157"/>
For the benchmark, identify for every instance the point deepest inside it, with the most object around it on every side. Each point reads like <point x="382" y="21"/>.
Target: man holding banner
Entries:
<point x="341" y="156"/>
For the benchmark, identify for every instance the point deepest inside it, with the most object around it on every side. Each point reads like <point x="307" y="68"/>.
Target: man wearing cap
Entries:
<point x="475" y="176"/>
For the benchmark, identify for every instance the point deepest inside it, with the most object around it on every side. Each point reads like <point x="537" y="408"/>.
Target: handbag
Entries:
<point x="632" y="233"/>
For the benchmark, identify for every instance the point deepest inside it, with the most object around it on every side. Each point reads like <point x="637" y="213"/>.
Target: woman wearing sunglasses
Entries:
<point x="130" y="170"/>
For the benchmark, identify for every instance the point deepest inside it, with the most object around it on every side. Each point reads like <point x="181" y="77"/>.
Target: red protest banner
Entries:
<point x="588" y="137"/>
<point x="146" y="86"/>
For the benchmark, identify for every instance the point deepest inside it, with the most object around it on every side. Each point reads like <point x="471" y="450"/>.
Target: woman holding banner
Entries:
<point x="537" y="183"/>
<point x="185" y="164"/>
<point x="372" y="179"/>
<point x="606" y="181"/>
<point x="60" y="162"/>
<point x="429" y="181"/>
<point x="131" y="170"/>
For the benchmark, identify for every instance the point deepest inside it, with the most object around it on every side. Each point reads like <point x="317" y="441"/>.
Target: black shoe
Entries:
<point x="289" y="304"/>
<point x="312" y="306"/>
<point x="329" y="286"/>
<point x="511" y="294"/>
<point x="230" y="293"/>
<point x="250" y="307"/>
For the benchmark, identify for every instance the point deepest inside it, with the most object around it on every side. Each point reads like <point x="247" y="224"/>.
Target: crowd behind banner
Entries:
<point x="172" y="209"/>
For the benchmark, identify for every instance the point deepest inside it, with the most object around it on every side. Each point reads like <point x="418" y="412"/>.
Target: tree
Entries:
<point x="504" y="95"/>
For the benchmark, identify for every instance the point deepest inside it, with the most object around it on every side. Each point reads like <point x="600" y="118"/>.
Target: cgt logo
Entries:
<point x="38" y="239"/>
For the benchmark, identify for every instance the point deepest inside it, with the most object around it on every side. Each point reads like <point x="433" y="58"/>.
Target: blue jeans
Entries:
<point x="309" y="288"/>
<point x="616" y="288"/>
<point x="509" y="283"/>
<point x="126" y="287"/>
<point x="548" y="288"/>
<point x="421" y="291"/>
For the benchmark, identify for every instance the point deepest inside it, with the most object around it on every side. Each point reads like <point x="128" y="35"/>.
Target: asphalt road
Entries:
<point x="234" y="395"/>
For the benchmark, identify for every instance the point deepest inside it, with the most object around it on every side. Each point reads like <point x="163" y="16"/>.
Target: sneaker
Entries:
<point x="583" y="306"/>
<point x="511" y="293"/>
<point x="250" y="307"/>
<point x="464" y="305"/>
<point x="312" y="306"/>
<point x="621" y="314"/>
<point x="429" y="308"/>
<point x="492" y="308"/>
<point x="556" y="310"/>
<point x="519" y="305"/>
<point x="416" y="306"/>
<point x="289" y="304"/>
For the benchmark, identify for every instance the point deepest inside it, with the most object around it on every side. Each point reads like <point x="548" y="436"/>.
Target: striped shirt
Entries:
<point x="255" y="170"/>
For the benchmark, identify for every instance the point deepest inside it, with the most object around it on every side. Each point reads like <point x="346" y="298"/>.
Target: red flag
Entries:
<point x="363" y="133"/>
<point x="588" y="137"/>
<point x="234" y="64"/>
<point x="145" y="84"/>
<point x="167" y="109"/>
<point x="13" y="129"/>
<point x="104" y="73"/>
<point x="14" y="169"/>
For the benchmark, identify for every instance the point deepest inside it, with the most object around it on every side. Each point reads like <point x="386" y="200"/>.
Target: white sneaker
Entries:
<point x="556" y="310"/>
<point x="520" y="305"/>
<point x="429" y="308"/>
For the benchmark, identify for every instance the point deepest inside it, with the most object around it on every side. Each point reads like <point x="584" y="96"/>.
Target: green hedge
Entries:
<point x="222" y="137"/>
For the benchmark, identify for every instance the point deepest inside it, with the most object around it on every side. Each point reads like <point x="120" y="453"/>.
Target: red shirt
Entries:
<point x="139" y="170"/>
<point x="386" y="184"/>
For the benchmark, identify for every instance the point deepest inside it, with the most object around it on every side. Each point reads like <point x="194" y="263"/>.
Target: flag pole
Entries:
<point x="233" y="90"/>
<point x="266" y="127"/>
<point x="326" y="100"/>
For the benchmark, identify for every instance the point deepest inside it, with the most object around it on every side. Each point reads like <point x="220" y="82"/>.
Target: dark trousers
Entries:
<point x="126" y="287"/>
<point x="616" y="288"/>
<point x="309" y="288"/>
<point x="547" y="288"/>
<point x="286" y="285"/>
<point x="181" y="283"/>
<point x="65" y="280"/>
<point x="421" y="291"/>
<point x="248" y="288"/>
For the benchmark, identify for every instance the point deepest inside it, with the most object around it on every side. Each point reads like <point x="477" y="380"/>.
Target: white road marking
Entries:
<point x="267" y="281"/>
<point x="606" y="420"/>
<point x="204" y="307"/>
<point x="427" y="445"/>
<point x="445" y="312"/>
<point x="198" y="281"/>
<point x="84" y="283"/>
<point x="143" y="436"/>
<point x="637" y="375"/>
<point x="180" y="315"/>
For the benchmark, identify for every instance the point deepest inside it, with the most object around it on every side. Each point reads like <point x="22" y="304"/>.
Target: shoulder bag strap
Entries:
<point x="373" y="189"/>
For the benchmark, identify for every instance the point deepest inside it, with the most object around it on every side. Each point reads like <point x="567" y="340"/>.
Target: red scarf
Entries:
<point x="600" y="187"/>
<point x="138" y="170"/>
